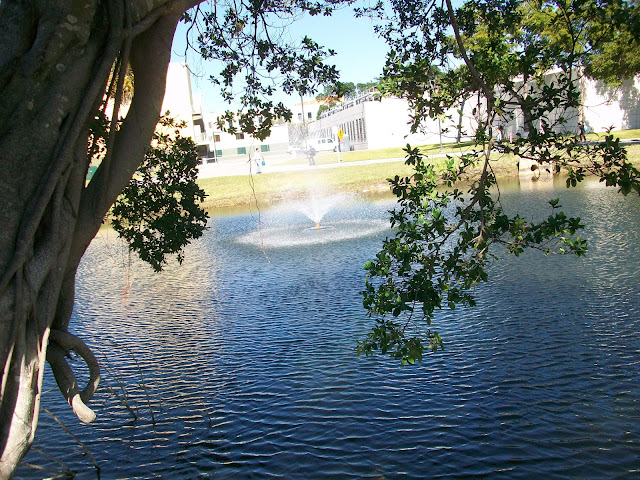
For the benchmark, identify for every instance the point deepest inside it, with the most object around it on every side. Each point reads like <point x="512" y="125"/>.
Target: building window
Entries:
<point x="299" y="116"/>
<point x="239" y="136"/>
<point x="218" y="153"/>
<point x="216" y="138"/>
<point x="309" y="115"/>
<point x="242" y="150"/>
<point x="264" y="148"/>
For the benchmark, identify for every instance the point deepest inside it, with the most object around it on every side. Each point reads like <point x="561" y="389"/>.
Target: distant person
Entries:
<point x="310" y="155"/>
<point x="258" y="160"/>
<point x="498" y="134"/>
<point x="582" y="137"/>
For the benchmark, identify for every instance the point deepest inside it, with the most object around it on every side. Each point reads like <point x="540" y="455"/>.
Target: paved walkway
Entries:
<point x="227" y="168"/>
<point x="280" y="164"/>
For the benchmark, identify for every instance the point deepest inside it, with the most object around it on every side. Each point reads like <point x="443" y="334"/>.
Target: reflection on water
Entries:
<point x="297" y="235"/>
<point x="249" y="366"/>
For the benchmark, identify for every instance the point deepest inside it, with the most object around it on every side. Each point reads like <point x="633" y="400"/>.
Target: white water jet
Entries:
<point x="316" y="206"/>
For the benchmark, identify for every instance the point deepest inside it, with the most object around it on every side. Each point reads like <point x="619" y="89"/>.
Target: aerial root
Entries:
<point x="60" y="344"/>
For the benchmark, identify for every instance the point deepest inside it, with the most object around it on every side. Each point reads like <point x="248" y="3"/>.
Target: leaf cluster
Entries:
<point x="440" y="252"/>
<point x="159" y="212"/>
<point x="247" y="39"/>
<point x="446" y="235"/>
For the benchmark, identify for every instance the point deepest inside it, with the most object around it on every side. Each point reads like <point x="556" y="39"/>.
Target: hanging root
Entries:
<point x="60" y="343"/>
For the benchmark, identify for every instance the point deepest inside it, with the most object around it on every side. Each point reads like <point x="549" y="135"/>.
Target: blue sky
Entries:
<point x="360" y="55"/>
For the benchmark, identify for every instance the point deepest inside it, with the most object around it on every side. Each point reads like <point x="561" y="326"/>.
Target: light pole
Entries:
<point x="304" y="126"/>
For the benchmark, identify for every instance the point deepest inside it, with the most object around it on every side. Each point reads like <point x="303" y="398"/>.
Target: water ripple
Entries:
<point x="242" y="367"/>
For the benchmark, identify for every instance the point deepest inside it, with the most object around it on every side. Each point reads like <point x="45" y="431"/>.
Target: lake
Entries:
<point x="241" y="364"/>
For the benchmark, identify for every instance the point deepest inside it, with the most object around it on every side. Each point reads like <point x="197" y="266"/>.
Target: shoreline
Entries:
<point x="274" y="187"/>
<point x="294" y="181"/>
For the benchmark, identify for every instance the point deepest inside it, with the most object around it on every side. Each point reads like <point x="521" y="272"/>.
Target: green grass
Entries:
<point x="274" y="187"/>
<point x="383" y="153"/>
<point x="621" y="134"/>
<point x="633" y="154"/>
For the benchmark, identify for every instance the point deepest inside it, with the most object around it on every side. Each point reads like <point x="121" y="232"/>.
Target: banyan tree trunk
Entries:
<point x="55" y="62"/>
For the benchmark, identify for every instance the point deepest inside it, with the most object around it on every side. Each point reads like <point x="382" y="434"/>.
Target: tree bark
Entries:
<point x="55" y="61"/>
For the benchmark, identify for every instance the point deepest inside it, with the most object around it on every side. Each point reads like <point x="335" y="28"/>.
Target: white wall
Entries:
<point x="387" y="124"/>
<point x="617" y="107"/>
<point x="177" y="97"/>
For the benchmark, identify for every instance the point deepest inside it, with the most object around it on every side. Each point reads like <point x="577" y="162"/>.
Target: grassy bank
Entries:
<point x="273" y="187"/>
<point x="385" y="153"/>
<point x="433" y="149"/>
<point x="277" y="186"/>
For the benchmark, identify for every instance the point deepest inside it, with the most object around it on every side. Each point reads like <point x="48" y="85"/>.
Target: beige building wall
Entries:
<point x="307" y="110"/>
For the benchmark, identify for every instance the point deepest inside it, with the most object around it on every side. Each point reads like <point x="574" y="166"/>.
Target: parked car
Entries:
<point x="296" y="148"/>
<point x="324" y="144"/>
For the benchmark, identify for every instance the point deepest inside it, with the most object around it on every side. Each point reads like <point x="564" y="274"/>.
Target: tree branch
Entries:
<point x="152" y="17"/>
<point x="480" y="83"/>
<point x="150" y="54"/>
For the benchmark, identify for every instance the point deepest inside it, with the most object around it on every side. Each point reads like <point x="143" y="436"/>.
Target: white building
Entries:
<point x="213" y="144"/>
<point x="617" y="107"/>
<point x="368" y="123"/>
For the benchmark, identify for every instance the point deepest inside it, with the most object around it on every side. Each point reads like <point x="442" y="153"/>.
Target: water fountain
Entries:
<point x="282" y="227"/>
<point x="316" y="207"/>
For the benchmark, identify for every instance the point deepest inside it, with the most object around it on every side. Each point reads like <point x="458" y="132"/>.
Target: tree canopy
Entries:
<point x="338" y="91"/>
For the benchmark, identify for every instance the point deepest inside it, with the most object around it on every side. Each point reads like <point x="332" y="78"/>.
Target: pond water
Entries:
<point x="241" y="363"/>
